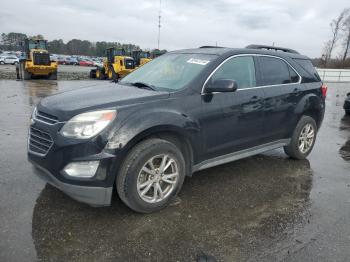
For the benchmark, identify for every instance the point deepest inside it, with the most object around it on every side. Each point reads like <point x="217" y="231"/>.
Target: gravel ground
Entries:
<point x="65" y="72"/>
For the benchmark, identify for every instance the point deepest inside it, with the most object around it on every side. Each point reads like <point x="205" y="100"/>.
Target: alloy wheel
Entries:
<point x="306" y="138"/>
<point x="157" y="179"/>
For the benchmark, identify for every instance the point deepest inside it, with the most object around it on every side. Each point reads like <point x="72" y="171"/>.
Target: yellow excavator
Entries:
<point x="116" y="65"/>
<point x="36" y="61"/>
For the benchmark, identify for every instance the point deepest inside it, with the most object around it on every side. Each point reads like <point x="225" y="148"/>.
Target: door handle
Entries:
<point x="296" y="90"/>
<point x="254" y="99"/>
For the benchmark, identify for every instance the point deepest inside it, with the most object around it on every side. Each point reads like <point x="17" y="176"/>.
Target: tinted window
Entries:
<point x="294" y="77"/>
<point x="240" y="69"/>
<point x="274" y="71"/>
<point x="312" y="75"/>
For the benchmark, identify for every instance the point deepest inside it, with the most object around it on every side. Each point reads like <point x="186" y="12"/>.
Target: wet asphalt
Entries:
<point x="263" y="208"/>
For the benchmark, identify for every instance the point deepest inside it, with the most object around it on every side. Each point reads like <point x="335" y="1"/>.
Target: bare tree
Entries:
<point x="346" y="40"/>
<point x="336" y="25"/>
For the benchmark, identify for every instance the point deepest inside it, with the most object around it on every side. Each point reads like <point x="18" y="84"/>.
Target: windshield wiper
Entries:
<point x="143" y="85"/>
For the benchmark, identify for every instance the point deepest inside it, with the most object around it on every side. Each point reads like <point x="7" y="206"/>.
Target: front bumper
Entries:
<point x="94" y="196"/>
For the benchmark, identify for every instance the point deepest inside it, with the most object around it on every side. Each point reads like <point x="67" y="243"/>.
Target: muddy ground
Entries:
<point x="65" y="72"/>
<point x="263" y="208"/>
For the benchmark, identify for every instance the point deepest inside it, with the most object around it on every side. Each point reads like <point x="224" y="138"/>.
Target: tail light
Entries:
<point x="324" y="89"/>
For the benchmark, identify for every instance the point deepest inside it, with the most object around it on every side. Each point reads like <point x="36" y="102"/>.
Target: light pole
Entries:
<point x="159" y="20"/>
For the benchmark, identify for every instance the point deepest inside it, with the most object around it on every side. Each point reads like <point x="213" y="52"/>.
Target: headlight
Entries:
<point x="89" y="124"/>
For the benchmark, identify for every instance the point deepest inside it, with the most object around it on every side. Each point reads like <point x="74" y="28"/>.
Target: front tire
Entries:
<point x="99" y="74"/>
<point x="53" y="76"/>
<point x="151" y="175"/>
<point x="303" y="139"/>
<point x="24" y="73"/>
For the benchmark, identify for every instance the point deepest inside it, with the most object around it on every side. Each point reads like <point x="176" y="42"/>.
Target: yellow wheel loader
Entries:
<point x="116" y="65"/>
<point x="36" y="61"/>
<point x="141" y="57"/>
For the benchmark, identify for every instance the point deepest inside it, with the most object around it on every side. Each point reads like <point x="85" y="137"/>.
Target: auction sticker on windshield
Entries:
<point x="198" y="61"/>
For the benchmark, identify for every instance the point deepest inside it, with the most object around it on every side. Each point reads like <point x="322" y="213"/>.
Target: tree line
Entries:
<point x="12" y="42"/>
<point x="340" y="40"/>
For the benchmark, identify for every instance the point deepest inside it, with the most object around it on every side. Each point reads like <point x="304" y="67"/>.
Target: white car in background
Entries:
<point x="9" y="60"/>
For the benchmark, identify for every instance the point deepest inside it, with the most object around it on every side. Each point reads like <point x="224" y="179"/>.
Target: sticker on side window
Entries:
<point x="197" y="61"/>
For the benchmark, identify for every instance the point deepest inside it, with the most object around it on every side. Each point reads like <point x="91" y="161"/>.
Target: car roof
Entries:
<point x="236" y="51"/>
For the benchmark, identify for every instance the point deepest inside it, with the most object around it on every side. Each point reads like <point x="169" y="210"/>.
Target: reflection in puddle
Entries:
<point x="224" y="211"/>
<point x="40" y="89"/>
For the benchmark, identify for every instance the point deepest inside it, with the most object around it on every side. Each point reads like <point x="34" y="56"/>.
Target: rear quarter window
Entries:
<point x="311" y="73"/>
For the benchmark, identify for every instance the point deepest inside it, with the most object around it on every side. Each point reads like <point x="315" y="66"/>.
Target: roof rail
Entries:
<point x="276" y="48"/>
<point x="210" y="46"/>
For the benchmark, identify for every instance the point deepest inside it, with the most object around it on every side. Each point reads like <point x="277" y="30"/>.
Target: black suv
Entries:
<point x="185" y="111"/>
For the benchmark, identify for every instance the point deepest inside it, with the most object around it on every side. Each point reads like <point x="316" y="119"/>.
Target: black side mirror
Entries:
<point x="221" y="85"/>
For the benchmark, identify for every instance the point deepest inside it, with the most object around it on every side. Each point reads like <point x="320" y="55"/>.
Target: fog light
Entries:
<point x="84" y="169"/>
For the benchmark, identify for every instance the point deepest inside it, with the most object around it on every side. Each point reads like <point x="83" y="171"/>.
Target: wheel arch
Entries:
<point x="170" y="133"/>
<point x="313" y="106"/>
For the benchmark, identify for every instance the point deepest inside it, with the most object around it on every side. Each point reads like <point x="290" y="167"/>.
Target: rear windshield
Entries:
<point x="312" y="75"/>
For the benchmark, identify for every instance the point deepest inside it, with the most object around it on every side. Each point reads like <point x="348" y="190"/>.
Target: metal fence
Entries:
<point x="334" y="75"/>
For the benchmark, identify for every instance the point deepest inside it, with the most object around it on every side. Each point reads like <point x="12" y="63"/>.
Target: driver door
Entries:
<point x="233" y="121"/>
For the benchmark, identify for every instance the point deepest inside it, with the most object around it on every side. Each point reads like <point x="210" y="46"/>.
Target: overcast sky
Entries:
<point x="298" y="24"/>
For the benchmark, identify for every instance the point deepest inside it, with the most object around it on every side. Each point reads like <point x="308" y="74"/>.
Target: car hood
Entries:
<point x="109" y="95"/>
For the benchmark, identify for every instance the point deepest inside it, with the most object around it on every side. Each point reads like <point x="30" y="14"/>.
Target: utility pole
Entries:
<point x="159" y="19"/>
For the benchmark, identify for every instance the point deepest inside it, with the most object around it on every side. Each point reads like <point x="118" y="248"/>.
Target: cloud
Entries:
<point x="297" y="24"/>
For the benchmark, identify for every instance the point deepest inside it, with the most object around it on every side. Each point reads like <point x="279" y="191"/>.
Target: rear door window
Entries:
<point x="275" y="71"/>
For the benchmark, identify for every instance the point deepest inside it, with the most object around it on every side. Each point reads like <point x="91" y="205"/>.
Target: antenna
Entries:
<point x="159" y="19"/>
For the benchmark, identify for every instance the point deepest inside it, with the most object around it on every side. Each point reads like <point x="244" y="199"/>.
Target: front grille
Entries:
<point x="41" y="58"/>
<point x="46" y="118"/>
<point x="39" y="142"/>
<point x="129" y="64"/>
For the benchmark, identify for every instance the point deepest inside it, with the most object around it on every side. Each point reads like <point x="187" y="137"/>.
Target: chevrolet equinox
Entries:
<point x="182" y="112"/>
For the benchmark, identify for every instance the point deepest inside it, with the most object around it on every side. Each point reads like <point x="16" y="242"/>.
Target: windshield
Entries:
<point x="37" y="44"/>
<point x="170" y="71"/>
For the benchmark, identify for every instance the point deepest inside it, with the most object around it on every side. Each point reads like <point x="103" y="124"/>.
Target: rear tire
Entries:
<point x="162" y="182"/>
<point x="303" y="138"/>
<point x="115" y="76"/>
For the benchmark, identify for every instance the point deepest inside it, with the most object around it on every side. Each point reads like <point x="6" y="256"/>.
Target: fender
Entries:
<point x="310" y="103"/>
<point x="153" y="121"/>
<point x="140" y="125"/>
